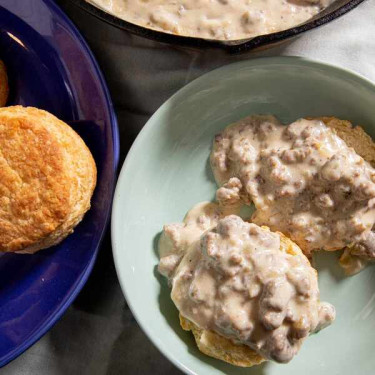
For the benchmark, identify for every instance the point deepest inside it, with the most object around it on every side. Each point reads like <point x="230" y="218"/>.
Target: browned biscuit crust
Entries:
<point x="47" y="177"/>
<point x="216" y="346"/>
<point x="4" y="89"/>
<point x="354" y="136"/>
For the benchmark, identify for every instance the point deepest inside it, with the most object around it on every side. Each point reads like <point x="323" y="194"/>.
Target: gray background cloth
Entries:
<point x="98" y="334"/>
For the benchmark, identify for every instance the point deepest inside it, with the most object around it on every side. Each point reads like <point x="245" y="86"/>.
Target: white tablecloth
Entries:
<point x="98" y="334"/>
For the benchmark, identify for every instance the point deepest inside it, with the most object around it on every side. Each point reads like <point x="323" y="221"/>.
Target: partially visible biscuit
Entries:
<point x="354" y="136"/>
<point x="4" y="89"/>
<point x="47" y="178"/>
<point x="216" y="346"/>
<point x="220" y="347"/>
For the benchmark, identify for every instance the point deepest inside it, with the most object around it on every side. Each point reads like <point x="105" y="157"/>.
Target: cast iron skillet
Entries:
<point x="335" y="10"/>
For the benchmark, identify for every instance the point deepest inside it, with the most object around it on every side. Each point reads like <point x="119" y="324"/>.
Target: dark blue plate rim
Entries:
<point x="43" y="329"/>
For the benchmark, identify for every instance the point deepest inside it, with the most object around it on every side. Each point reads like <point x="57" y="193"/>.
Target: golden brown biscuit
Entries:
<point x="217" y="346"/>
<point x="354" y="136"/>
<point x="4" y="89"/>
<point x="47" y="178"/>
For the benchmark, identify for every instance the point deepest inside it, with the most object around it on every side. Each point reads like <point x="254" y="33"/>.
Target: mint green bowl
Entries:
<point x="167" y="172"/>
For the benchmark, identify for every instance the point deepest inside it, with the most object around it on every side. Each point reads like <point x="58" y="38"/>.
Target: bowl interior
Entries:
<point x="167" y="172"/>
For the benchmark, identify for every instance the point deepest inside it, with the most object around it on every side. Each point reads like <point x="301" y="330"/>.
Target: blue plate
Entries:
<point x="51" y="67"/>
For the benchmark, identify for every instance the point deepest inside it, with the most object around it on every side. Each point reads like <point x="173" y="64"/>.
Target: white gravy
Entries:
<point x="303" y="181"/>
<point x="215" y="19"/>
<point x="237" y="279"/>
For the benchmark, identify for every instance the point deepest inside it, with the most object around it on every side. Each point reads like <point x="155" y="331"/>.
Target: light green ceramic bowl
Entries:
<point x="167" y="172"/>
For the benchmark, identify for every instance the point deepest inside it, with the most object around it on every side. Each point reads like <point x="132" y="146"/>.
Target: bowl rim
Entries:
<point x="81" y="281"/>
<point x="122" y="183"/>
<point x="232" y="47"/>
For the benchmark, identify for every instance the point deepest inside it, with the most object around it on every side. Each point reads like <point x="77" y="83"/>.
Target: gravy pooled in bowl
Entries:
<point x="242" y="282"/>
<point x="215" y="19"/>
<point x="303" y="180"/>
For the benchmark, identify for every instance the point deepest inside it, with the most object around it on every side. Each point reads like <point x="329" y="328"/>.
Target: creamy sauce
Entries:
<point x="177" y="237"/>
<point x="303" y="181"/>
<point x="215" y="19"/>
<point x="236" y="279"/>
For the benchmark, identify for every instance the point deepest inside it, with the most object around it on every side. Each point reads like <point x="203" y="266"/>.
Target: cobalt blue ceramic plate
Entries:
<point x="51" y="67"/>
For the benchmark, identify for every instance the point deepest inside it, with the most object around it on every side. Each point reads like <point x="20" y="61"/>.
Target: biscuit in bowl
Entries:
<point x="4" y="89"/>
<point x="246" y="293"/>
<point x="220" y="347"/>
<point x="47" y="178"/>
<point x="312" y="179"/>
<point x="353" y="136"/>
<point x="357" y="255"/>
